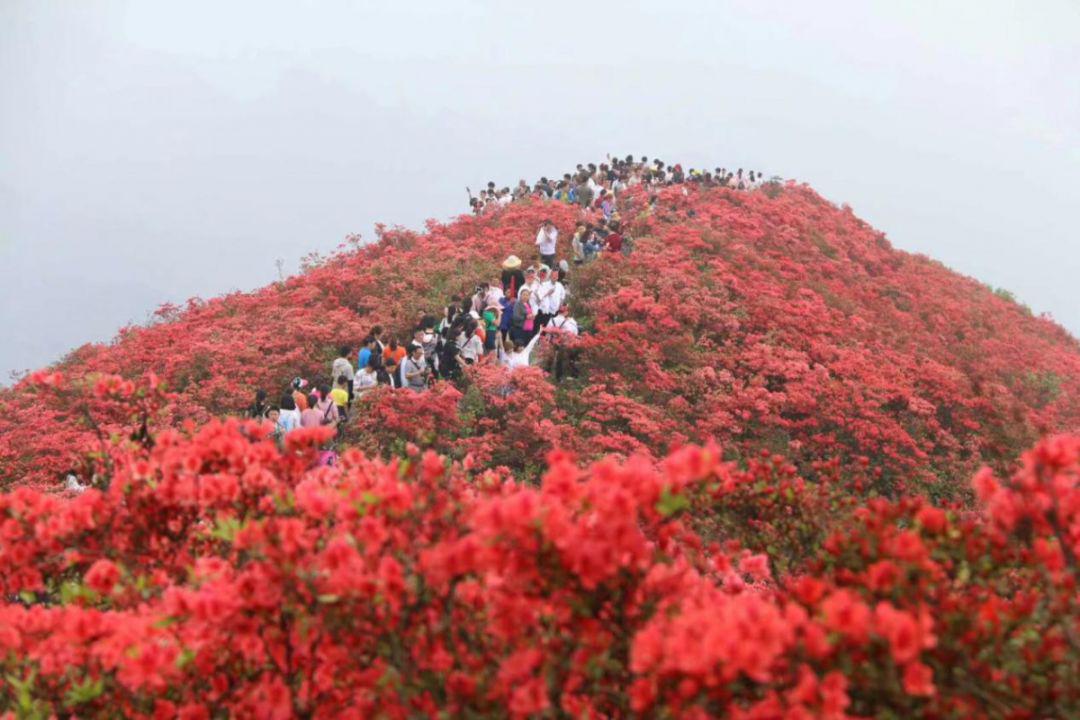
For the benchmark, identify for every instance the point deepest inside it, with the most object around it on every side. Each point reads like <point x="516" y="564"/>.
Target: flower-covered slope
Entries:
<point x="766" y="320"/>
<point x="821" y="540"/>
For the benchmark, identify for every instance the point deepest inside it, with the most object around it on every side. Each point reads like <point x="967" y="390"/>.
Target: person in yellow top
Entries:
<point x="340" y="394"/>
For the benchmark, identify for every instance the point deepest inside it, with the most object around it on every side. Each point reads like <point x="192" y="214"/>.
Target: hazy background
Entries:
<point x="153" y="150"/>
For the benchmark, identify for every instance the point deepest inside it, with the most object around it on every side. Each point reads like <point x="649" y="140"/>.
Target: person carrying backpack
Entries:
<point x="327" y="409"/>
<point x="312" y="417"/>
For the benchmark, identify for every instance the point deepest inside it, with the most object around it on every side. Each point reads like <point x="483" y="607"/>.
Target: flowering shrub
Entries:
<point x="215" y="571"/>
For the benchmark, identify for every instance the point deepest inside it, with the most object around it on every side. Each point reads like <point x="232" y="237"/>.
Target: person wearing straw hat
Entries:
<point x="512" y="276"/>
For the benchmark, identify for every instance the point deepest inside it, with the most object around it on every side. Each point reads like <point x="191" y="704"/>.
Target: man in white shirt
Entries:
<point x="562" y="322"/>
<point x="550" y="295"/>
<point x="547" y="241"/>
<point x="562" y="331"/>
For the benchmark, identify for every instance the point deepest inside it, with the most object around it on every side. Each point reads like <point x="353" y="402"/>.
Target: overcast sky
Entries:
<point x="151" y="151"/>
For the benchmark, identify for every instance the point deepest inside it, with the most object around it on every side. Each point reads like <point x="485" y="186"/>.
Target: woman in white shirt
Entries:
<point x="365" y="380"/>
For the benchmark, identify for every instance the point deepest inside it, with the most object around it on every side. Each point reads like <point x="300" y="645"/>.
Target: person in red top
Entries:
<point x="392" y="357"/>
<point x="614" y="238"/>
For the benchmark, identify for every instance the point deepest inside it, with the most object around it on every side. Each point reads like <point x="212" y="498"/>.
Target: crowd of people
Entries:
<point x="502" y="320"/>
<point x="596" y="186"/>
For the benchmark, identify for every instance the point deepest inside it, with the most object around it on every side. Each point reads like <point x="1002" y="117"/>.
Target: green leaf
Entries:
<point x="73" y="590"/>
<point x="367" y="501"/>
<point x="226" y="528"/>
<point x="963" y="574"/>
<point x="671" y="503"/>
<point x="184" y="658"/>
<point x="84" y="692"/>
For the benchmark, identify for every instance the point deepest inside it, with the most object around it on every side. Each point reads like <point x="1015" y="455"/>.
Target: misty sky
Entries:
<point x="151" y="151"/>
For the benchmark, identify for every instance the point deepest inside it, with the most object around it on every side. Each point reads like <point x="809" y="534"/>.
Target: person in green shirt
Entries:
<point x="492" y="317"/>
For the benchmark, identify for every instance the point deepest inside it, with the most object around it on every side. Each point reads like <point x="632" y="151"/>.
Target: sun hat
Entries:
<point x="512" y="263"/>
<point x="530" y="270"/>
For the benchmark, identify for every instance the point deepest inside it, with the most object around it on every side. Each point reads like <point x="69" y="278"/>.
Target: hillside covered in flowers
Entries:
<point x="795" y="473"/>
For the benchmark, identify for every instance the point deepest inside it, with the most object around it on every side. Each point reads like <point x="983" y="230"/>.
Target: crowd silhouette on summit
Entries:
<point x="500" y="321"/>
<point x="595" y="186"/>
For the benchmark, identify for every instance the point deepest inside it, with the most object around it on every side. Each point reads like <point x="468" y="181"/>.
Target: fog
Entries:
<point x="153" y="151"/>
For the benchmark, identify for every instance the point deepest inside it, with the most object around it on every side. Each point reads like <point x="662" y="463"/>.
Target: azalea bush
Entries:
<point x="215" y="571"/>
